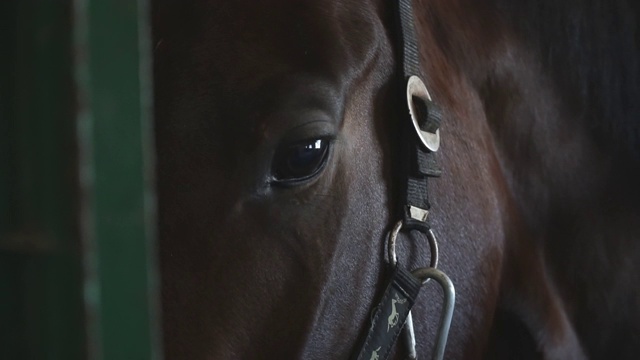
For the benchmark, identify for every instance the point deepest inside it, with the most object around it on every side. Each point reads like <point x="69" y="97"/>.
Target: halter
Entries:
<point x="420" y="135"/>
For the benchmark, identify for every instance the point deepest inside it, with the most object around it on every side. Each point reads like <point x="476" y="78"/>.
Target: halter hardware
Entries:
<point x="417" y="99"/>
<point x="425" y="274"/>
<point x="393" y="238"/>
<point x="399" y="297"/>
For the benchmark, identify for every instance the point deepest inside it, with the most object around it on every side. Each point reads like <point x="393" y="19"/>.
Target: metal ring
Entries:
<point x="393" y="237"/>
<point x="409" y="332"/>
<point x="417" y="88"/>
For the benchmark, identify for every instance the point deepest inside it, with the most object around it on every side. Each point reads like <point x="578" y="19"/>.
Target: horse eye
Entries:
<point x="301" y="161"/>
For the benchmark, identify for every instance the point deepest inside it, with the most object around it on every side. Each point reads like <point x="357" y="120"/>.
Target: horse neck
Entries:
<point x="574" y="196"/>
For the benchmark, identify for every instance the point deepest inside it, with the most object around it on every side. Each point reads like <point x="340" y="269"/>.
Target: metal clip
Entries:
<point x="424" y="274"/>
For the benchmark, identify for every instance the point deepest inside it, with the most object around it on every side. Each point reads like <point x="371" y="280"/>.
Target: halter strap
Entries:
<point x="420" y="123"/>
<point x="417" y="161"/>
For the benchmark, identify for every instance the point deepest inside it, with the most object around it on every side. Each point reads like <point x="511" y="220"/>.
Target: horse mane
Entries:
<point x="592" y="49"/>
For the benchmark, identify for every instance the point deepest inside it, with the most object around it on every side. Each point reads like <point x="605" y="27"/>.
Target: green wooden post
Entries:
<point x="41" y="308"/>
<point x="77" y="213"/>
<point x="113" y="78"/>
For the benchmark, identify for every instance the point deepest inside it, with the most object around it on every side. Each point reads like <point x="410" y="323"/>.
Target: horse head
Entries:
<point x="277" y="136"/>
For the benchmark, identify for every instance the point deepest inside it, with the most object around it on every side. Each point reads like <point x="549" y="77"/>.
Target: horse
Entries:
<point x="277" y="137"/>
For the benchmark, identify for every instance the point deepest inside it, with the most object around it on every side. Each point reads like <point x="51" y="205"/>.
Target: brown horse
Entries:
<point x="277" y="157"/>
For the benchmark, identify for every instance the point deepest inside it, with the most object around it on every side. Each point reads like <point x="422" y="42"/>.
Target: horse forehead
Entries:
<point x="255" y="40"/>
<point x="245" y="49"/>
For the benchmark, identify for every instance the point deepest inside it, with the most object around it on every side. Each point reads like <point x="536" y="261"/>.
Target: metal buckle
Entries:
<point x="417" y="88"/>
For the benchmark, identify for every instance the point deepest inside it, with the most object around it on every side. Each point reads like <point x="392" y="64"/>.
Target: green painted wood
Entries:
<point x="41" y="305"/>
<point x="113" y="76"/>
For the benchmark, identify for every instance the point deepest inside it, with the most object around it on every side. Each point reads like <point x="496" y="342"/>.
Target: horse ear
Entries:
<point x="531" y="321"/>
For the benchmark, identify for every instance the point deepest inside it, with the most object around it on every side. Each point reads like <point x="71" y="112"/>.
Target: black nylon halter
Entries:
<point x="417" y="165"/>
<point x="419" y="162"/>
